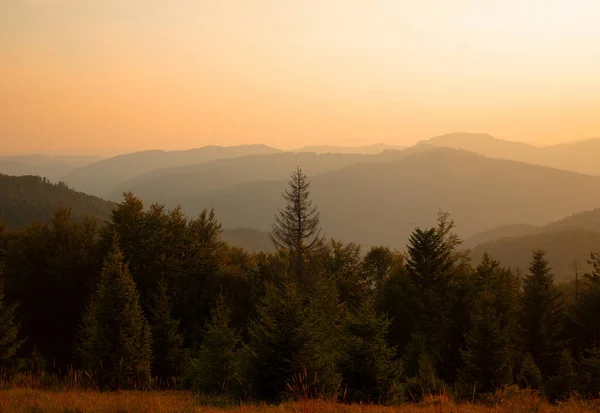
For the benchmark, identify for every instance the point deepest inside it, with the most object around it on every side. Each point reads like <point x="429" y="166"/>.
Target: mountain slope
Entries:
<point x="380" y="203"/>
<point x="487" y="145"/>
<point x="51" y="167"/>
<point x="204" y="178"/>
<point x="563" y="248"/>
<point x="359" y="150"/>
<point x="505" y="231"/>
<point x="26" y="199"/>
<point x="99" y="177"/>
<point x="581" y="157"/>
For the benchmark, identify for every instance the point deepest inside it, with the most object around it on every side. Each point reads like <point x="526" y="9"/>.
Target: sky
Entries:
<point x="96" y="76"/>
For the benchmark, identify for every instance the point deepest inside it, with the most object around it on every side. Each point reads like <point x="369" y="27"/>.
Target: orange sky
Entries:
<point x="100" y="75"/>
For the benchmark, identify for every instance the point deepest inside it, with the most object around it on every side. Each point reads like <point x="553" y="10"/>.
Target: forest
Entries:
<point x="153" y="299"/>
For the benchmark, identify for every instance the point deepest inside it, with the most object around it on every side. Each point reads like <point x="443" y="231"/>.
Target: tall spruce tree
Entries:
<point x="116" y="338"/>
<point x="287" y="354"/>
<point x="490" y="354"/>
<point x="218" y="368"/>
<point x="167" y="341"/>
<point x="583" y="315"/>
<point x="541" y="318"/>
<point x="366" y="363"/>
<point x="9" y="328"/>
<point x="297" y="226"/>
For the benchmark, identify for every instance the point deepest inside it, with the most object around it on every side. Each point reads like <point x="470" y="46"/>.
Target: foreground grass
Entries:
<point x="70" y="401"/>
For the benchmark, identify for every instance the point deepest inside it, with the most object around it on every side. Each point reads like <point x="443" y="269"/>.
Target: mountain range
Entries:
<point x="501" y="194"/>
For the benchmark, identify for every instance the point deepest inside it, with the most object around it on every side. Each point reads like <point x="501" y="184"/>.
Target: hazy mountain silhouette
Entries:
<point x="505" y="231"/>
<point x="563" y="248"/>
<point x="99" y="177"/>
<point x="252" y="240"/>
<point x="579" y="156"/>
<point x="51" y="167"/>
<point x="26" y="199"/>
<point x="204" y="178"/>
<point x="381" y="202"/>
<point x="574" y="156"/>
<point x="364" y="150"/>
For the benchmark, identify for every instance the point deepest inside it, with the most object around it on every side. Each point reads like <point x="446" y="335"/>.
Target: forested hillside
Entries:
<point x="153" y="298"/>
<point x="26" y="199"/>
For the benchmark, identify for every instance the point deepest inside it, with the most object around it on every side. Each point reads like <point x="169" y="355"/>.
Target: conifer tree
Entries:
<point x="369" y="371"/>
<point x="9" y="328"/>
<point x="563" y="382"/>
<point x="218" y="366"/>
<point x="583" y="316"/>
<point x="590" y="369"/>
<point x="116" y="339"/>
<point x="489" y="353"/>
<point x="297" y="226"/>
<point x="167" y="341"/>
<point x="541" y="315"/>
<point x="530" y="375"/>
<point x="286" y="352"/>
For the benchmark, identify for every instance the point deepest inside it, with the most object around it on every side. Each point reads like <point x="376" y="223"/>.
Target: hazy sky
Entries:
<point x="79" y="75"/>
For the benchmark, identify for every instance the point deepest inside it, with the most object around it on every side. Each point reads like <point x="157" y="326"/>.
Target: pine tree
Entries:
<point x="530" y="375"/>
<point x="369" y="371"/>
<point x="563" y="382"/>
<point x="296" y="227"/>
<point x="218" y="366"/>
<point x="9" y="328"/>
<point x="489" y="353"/>
<point x="541" y="315"/>
<point x="167" y="341"/>
<point x="116" y="339"/>
<point x="590" y="369"/>
<point x="583" y="316"/>
<point x="287" y="354"/>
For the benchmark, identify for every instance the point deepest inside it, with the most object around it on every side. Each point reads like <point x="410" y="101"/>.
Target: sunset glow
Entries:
<point x="80" y="76"/>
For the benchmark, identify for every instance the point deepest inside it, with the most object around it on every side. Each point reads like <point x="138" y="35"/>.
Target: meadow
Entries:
<point x="24" y="400"/>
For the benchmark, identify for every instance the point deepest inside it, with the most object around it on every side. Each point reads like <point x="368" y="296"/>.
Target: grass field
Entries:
<point x="82" y="401"/>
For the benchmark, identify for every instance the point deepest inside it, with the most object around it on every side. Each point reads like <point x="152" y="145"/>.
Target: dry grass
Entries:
<point x="18" y="400"/>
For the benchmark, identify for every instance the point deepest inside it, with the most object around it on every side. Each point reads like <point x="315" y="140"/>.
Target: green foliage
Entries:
<point x="167" y="341"/>
<point x="367" y="365"/>
<point x="166" y="246"/>
<point x="541" y="315"/>
<point x="379" y="264"/>
<point x="344" y="265"/>
<point x="218" y="367"/>
<point x="51" y="271"/>
<point x="590" y="369"/>
<point x="9" y="327"/>
<point x="116" y="339"/>
<point x="563" y="383"/>
<point x="489" y="353"/>
<point x="426" y="381"/>
<point x="286" y="350"/>
<point x="530" y="374"/>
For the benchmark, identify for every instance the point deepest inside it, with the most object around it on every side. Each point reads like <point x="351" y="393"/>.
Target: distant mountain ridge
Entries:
<point x="99" y="177"/>
<point x="363" y="150"/>
<point x="580" y="156"/>
<point x="51" y="167"/>
<point x="381" y="202"/>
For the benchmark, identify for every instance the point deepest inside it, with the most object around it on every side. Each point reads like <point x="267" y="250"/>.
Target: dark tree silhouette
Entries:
<point x="296" y="227"/>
